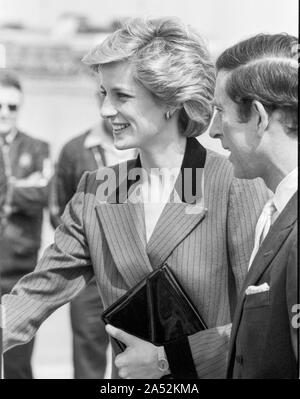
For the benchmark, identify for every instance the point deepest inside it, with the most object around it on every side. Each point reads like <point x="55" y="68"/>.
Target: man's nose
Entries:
<point x="215" y="130"/>
<point x="107" y="109"/>
<point x="4" y="110"/>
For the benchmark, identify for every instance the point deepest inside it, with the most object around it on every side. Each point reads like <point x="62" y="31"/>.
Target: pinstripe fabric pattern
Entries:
<point x="105" y="240"/>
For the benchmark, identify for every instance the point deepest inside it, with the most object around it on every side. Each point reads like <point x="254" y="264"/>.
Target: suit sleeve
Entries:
<point x="62" y="186"/>
<point x="209" y="348"/>
<point x="63" y="271"/>
<point x="30" y="194"/>
<point x="292" y="294"/>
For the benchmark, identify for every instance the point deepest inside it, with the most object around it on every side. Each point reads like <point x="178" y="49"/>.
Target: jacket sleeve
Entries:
<point x="63" y="271"/>
<point x="209" y="348"/>
<point x="30" y="194"/>
<point x="61" y="186"/>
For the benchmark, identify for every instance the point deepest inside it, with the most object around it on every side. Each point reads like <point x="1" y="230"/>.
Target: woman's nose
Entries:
<point x="107" y="109"/>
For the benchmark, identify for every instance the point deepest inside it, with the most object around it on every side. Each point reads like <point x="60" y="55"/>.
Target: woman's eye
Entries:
<point x="102" y="93"/>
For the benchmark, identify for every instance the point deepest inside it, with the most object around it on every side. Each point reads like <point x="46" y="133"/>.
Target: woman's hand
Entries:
<point x="139" y="360"/>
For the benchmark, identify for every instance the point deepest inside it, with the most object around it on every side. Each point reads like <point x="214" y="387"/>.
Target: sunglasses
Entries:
<point x="11" y="107"/>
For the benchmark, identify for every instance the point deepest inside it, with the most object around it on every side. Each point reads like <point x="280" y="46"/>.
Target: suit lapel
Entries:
<point x="175" y="223"/>
<point x="271" y="246"/>
<point x="122" y="226"/>
<point x="123" y="221"/>
<point x="185" y="209"/>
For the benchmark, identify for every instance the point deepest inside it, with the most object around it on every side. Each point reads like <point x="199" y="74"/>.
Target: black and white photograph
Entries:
<point x="149" y="192"/>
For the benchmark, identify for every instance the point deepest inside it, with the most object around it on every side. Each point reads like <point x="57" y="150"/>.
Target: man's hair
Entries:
<point x="264" y="68"/>
<point x="170" y="60"/>
<point x="10" y="79"/>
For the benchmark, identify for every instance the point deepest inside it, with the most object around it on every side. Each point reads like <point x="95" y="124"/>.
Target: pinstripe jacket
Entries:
<point x="107" y="239"/>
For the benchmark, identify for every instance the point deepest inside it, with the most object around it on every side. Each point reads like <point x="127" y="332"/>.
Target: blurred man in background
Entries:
<point x="24" y="177"/>
<point x="86" y="152"/>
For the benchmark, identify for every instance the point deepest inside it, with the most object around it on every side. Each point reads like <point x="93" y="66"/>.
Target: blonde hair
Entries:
<point x="170" y="60"/>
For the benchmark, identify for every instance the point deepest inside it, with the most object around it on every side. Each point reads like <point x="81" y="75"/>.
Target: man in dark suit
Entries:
<point x="25" y="171"/>
<point x="256" y="99"/>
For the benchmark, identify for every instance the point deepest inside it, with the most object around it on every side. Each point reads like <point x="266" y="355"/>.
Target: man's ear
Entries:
<point x="262" y="116"/>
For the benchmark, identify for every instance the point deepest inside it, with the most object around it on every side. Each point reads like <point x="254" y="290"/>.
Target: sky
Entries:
<point x="225" y="21"/>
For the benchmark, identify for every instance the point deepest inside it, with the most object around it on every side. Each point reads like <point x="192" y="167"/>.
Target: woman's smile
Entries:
<point x="119" y="127"/>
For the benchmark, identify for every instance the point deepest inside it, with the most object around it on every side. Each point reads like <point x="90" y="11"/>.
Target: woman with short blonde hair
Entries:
<point x="169" y="59"/>
<point x="156" y="87"/>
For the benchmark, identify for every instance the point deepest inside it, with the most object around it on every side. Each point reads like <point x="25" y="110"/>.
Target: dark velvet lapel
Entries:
<point x="123" y="221"/>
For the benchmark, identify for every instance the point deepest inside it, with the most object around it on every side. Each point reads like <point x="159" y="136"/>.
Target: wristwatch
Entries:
<point x="162" y="361"/>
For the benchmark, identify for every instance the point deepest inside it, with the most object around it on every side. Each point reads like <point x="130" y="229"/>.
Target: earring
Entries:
<point x="168" y="115"/>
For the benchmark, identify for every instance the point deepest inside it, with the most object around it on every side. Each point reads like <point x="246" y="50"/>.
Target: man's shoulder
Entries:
<point x="73" y="150"/>
<point x="31" y="140"/>
<point x="76" y="142"/>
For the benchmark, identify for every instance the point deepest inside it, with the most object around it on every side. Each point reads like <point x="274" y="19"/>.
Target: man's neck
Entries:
<point x="280" y="162"/>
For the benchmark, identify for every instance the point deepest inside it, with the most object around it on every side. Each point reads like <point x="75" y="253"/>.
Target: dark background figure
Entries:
<point x="86" y="152"/>
<point x="24" y="161"/>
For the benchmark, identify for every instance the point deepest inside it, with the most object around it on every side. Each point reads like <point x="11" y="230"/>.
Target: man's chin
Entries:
<point x="4" y="129"/>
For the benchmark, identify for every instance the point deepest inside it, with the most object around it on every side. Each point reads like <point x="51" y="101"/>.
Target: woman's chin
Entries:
<point x="122" y="144"/>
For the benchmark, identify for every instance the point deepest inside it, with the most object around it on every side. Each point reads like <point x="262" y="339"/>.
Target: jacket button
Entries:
<point x="239" y="359"/>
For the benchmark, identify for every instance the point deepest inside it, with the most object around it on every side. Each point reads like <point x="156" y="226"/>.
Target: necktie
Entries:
<point x="263" y="226"/>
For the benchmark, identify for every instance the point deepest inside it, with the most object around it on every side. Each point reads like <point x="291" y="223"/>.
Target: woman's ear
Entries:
<point x="170" y="112"/>
<point x="261" y="115"/>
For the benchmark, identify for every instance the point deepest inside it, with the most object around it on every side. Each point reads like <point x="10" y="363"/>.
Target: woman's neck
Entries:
<point x="164" y="155"/>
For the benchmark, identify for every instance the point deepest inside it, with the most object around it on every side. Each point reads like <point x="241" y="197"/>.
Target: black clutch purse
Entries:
<point x="157" y="310"/>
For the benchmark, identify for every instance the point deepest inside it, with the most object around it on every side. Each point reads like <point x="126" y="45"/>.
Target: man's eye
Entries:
<point x="123" y="96"/>
<point x="218" y="109"/>
<point x="102" y="93"/>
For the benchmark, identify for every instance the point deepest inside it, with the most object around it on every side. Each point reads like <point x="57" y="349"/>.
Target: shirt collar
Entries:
<point x="9" y="137"/>
<point x="285" y="190"/>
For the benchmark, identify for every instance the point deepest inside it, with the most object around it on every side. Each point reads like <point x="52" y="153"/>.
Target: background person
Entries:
<point x="157" y="82"/>
<point x="25" y="161"/>
<point x="257" y="102"/>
